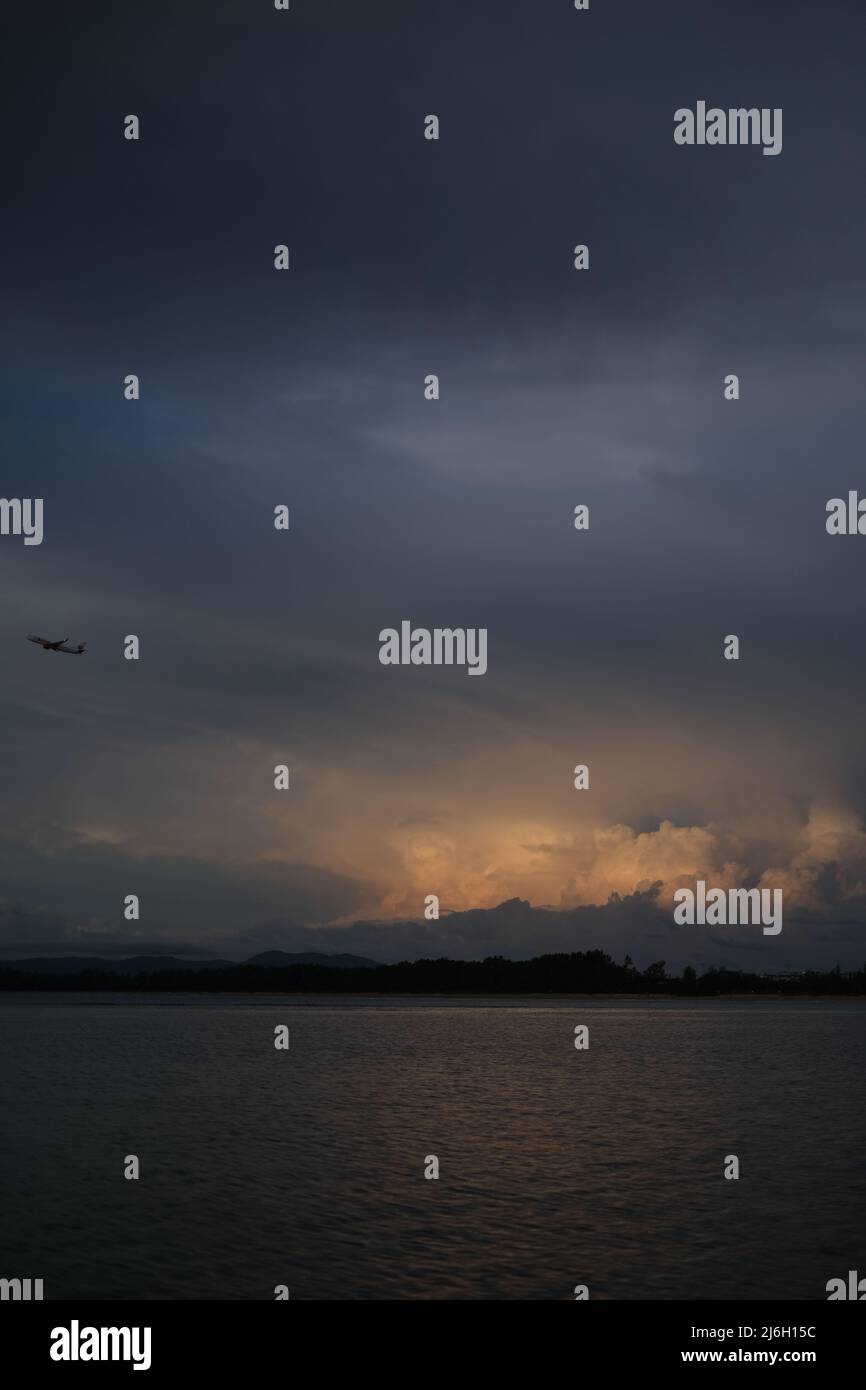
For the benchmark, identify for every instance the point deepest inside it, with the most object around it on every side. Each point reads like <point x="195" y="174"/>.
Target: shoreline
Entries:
<point x="143" y="994"/>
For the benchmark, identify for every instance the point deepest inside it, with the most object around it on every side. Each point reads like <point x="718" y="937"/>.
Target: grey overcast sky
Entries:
<point x="604" y="387"/>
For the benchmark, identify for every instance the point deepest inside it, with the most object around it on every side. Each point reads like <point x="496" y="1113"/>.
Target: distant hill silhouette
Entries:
<point x="130" y="965"/>
<point x="281" y="959"/>
<point x="141" y="965"/>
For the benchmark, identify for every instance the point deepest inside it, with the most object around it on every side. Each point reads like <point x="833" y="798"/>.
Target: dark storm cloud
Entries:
<point x="183" y="901"/>
<point x="636" y="924"/>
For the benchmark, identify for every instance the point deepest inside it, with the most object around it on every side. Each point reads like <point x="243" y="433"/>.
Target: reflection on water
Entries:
<point x="305" y="1167"/>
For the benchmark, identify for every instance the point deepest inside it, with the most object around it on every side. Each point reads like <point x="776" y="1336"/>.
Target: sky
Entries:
<point x="306" y="388"/>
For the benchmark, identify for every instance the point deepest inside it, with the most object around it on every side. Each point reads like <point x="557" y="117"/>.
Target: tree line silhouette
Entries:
<point x="578" y="972"/>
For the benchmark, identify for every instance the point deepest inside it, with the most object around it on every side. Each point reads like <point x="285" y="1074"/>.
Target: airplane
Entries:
<point x="57" y="646"/>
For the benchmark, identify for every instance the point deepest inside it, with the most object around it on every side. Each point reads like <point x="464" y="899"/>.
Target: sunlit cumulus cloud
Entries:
<point x="826" y="873"/>
<point x="509" y="886"/>
<point x="823" y="868"/>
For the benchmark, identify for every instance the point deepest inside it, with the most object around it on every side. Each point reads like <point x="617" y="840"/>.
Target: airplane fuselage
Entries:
<point x="57" y="646"/>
